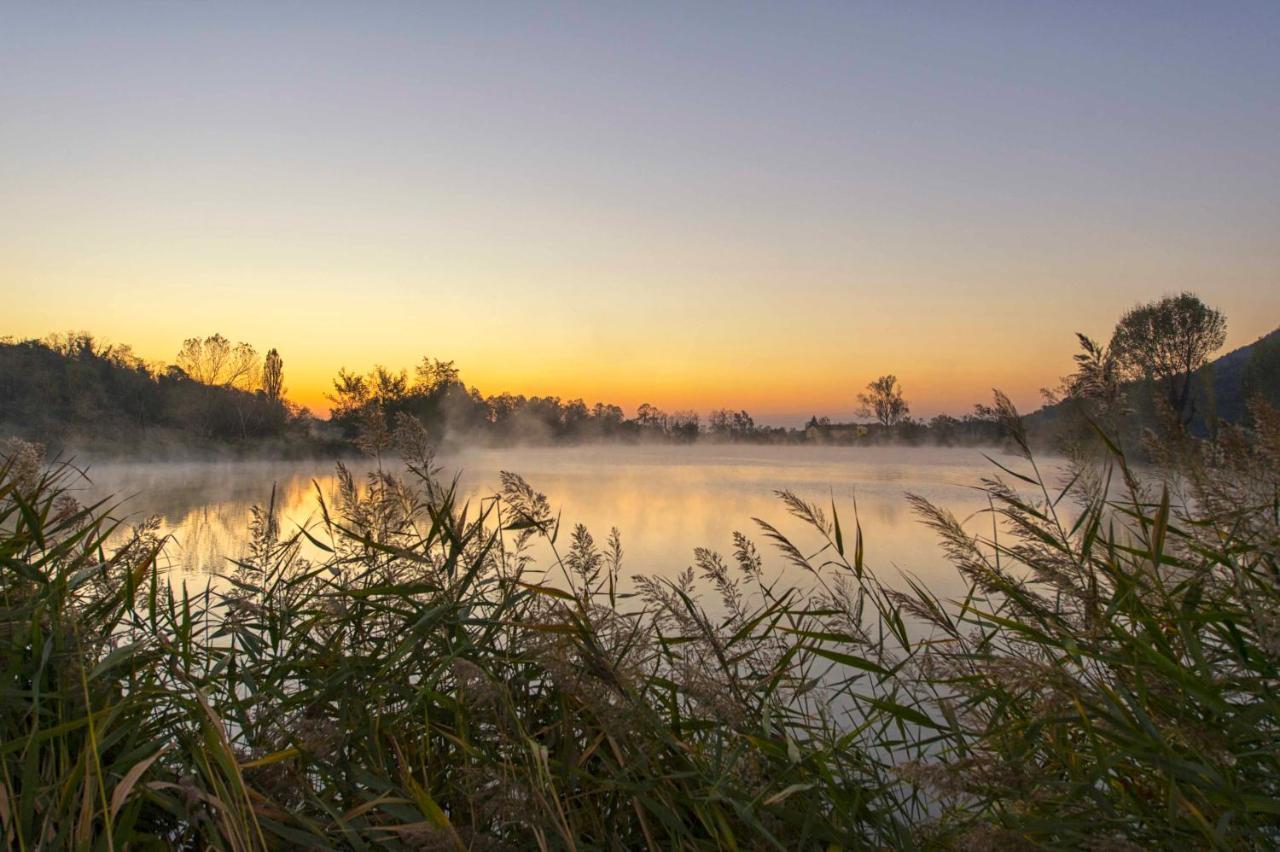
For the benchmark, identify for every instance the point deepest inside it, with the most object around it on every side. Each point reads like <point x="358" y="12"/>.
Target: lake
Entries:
<point x="665" y="500"/>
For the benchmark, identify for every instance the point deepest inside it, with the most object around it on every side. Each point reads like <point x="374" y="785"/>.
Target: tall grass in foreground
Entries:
<point x="1108" y="682"/>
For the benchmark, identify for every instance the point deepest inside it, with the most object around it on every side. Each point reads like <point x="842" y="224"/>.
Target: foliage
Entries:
<point x="1168" y="341"/>
<point x="1261" y="375"/>
<point x="423" y="685"/>
<point x="438" y="398"/>
<point x="731" y="425"/>
<point x="1111" y="677"/>
<point x="215" y="361"/>
<point x="273" y="376"/>
<point x="415" y="672"/>
<point x="77" y="393"/>
<point x="1131" y="394"/>
<point x="980" y="426"/>
<point x="884" y="401"/>
<point x="71" y="390"/>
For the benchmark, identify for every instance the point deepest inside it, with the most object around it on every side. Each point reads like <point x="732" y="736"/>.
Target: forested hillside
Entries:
<point x="1219" y="392"/>
<point x="70" y="392"/>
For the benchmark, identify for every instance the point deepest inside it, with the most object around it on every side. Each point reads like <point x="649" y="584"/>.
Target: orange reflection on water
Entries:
<point x="665" y="500"/>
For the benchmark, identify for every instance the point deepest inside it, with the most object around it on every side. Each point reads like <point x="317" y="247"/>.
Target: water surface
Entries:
<point x="665" y="500"/>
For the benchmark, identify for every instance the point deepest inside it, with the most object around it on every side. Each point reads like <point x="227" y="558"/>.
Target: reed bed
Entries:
<point x="480" y="675"/>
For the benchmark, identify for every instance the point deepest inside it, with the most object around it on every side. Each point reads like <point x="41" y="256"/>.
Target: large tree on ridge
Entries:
<point x="1167" y="341"/>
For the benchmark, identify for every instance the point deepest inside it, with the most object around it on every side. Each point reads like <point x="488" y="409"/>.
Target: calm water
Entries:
<point x="666" y="501"/>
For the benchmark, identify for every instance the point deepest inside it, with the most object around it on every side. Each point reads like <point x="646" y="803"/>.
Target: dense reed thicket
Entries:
<point x="450" y="675"/>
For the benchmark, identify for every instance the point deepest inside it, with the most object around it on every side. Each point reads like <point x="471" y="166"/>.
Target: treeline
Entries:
<point x="437" y="397"/>
<point x="980" y="426"/>
<point x="72" y="391"/>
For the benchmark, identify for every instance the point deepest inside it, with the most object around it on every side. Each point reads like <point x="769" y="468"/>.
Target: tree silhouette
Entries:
<point x="273" y="376"/>
<point x="883" y="400"/>
<point x="1166" y="341"/>
<point x="215" y="361"/>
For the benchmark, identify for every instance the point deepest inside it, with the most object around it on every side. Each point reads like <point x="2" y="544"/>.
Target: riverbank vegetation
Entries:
<point x="76" y="393"/>
<point x="413" y="672"/>
<point x="1156" y="368"/>
<point x="80" y="395"/>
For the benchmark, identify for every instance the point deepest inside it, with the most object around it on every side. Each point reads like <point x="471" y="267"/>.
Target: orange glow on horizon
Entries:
<point x="758" y="209"/>
<point x="778" y="392"/>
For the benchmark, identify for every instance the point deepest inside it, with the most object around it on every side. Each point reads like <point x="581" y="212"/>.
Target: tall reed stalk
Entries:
<point x="416" y="671"/>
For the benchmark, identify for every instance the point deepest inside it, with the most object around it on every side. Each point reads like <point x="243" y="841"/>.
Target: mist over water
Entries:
<point x="665" y="500"/>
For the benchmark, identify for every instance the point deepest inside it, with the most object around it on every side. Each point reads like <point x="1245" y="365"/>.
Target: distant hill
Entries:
<point x="1235" y="378"/>
<point x="1238" y="373"/>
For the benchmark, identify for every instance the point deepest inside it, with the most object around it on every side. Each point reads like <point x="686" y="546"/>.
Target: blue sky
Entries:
<point x="691" y="205"/>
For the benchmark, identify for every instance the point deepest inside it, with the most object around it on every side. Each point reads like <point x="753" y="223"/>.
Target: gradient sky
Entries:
<point x="694" y="205"/>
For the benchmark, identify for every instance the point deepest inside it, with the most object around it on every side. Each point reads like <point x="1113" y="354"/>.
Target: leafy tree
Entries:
<point x="1167" y="341"/>
<point x="71" y="390"/>
<point x="944" y="428"/>
<point x="684" y="425"/>
<point x="432" y="373"/>
<point x="884" y="401"/>
<point x="610" y="417"/>
<point x="273" y="376"/>
<point x="350" y="393"/>
<point x="387" y="387"/>
<point x="731" y="425"/>
<point x="650" y="417"/>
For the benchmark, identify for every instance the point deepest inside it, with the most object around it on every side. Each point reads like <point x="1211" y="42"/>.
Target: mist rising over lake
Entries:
<point x="665" y="500"/>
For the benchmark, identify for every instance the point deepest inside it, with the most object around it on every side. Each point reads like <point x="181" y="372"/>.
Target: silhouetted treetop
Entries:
<point x="1168" y="340"/>
<point x="884" y="401"/>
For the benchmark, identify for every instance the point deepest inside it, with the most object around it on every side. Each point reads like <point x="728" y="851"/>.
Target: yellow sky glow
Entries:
<point x="761" y="207"/>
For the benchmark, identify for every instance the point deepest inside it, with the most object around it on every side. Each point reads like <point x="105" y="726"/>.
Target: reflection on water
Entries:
<point x="666" y="501"/>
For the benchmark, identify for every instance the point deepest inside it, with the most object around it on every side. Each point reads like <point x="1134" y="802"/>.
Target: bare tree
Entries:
<point x="1167" y="341"/>
<point x="883" y="400"/>
<point x="215" y="361"/>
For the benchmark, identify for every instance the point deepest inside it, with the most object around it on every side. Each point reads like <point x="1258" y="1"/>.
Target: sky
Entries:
<point x="693" y="205"/>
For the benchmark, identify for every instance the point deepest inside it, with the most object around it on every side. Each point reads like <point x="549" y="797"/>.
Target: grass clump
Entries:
<point x="474" y="675"/>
